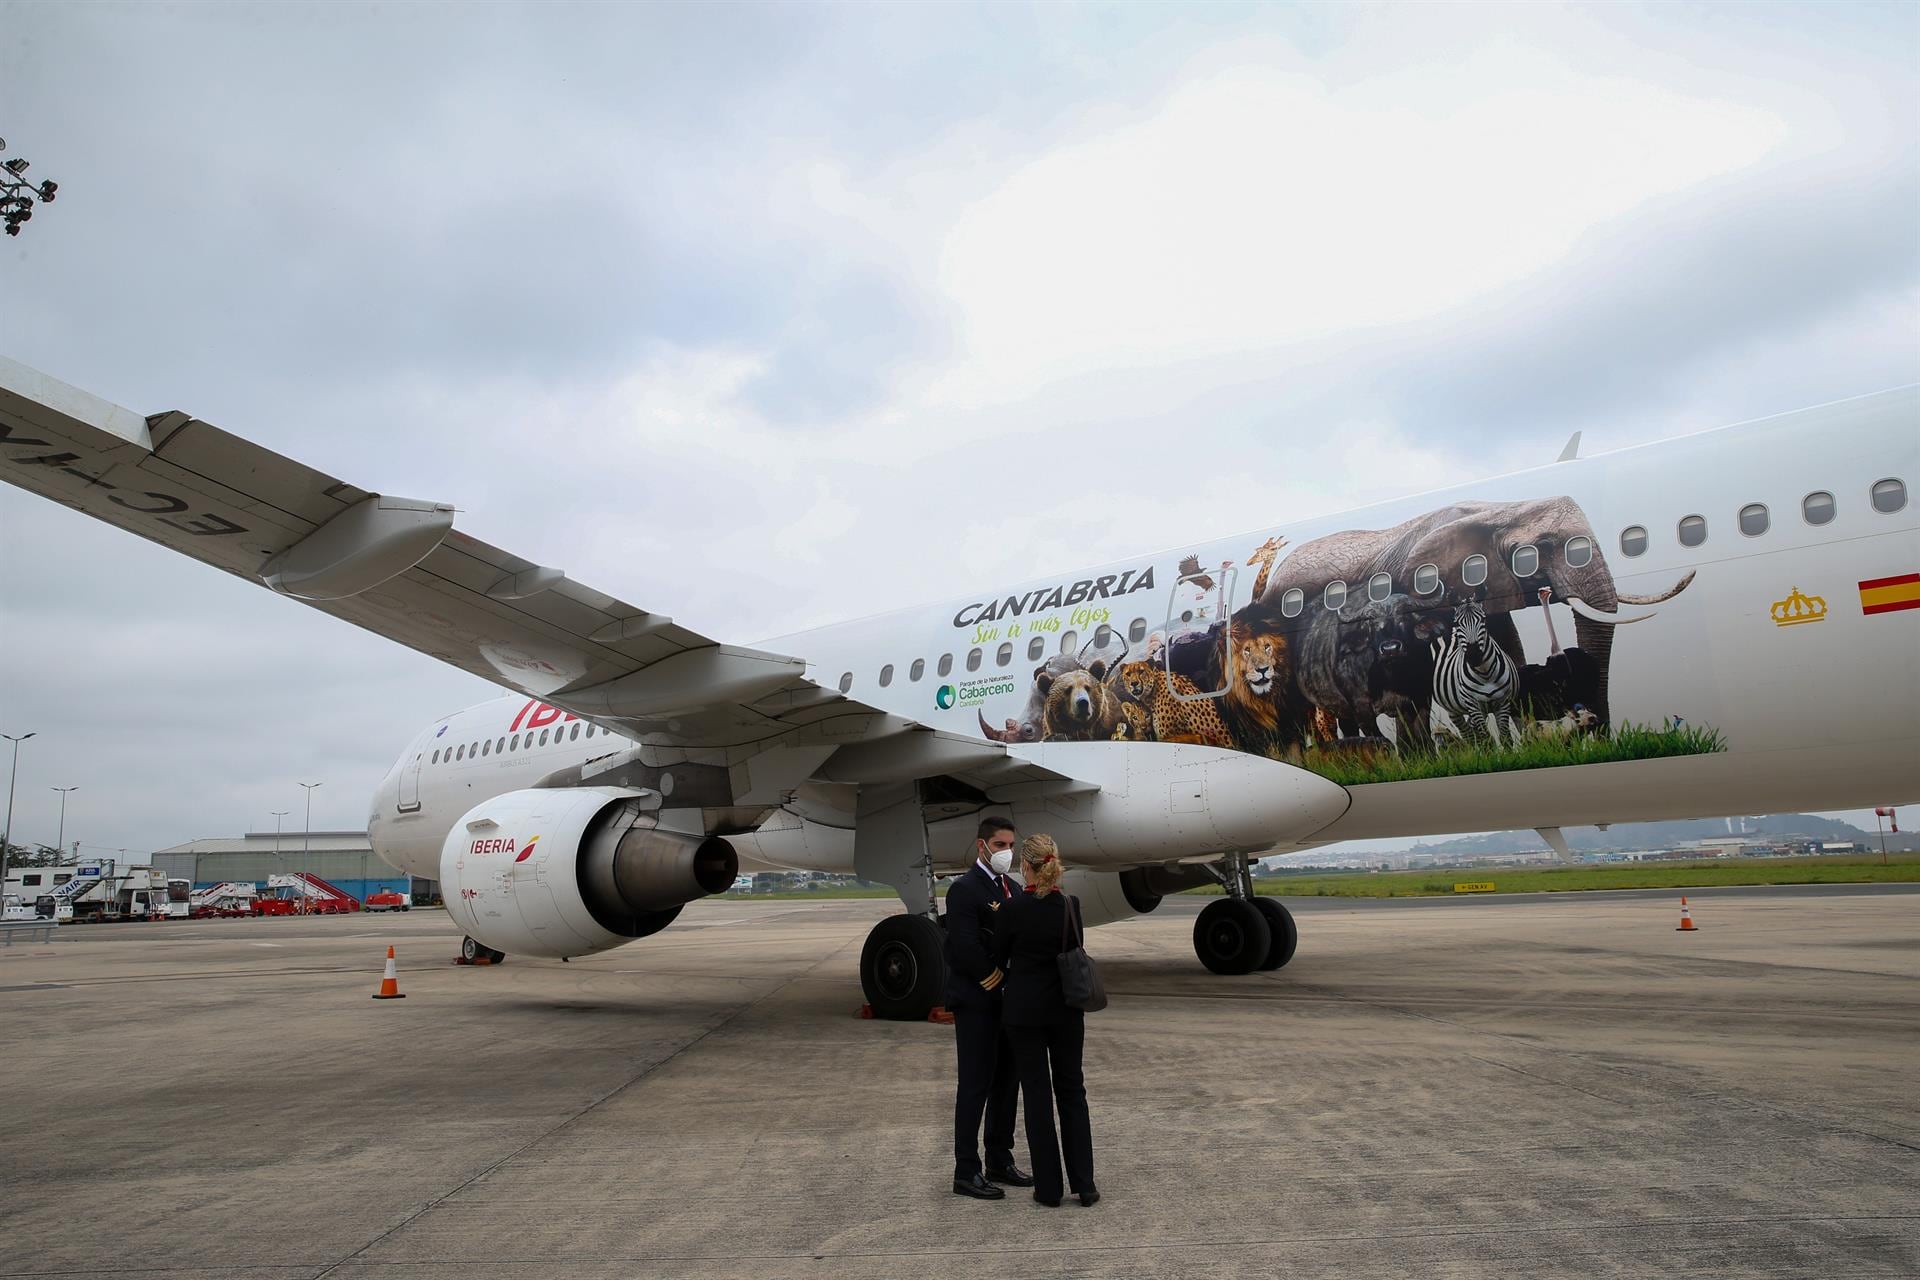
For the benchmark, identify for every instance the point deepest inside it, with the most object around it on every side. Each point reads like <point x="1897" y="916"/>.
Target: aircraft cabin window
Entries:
<point x="1293" y="602"/>
<point x="575" y="735"/>
<point x="436" y="758"/>
<point x="513" y="743"/>
<point x="486" y="748"/>
<point x="1693" y="531"/>
<point x="973" y="659"/>
<point x="1005" y="655"/>
<point x="1102" y="636"/>
<point x="1633" y="540"/>
<point x="946" y="664"/>
<point x="500" y="745"/>
<point x="1526" y="561"/>
<point x="460" y="753"/>
<point x="1753" y="519"/>
<point x="886" y="675"/>
<point x="1379" y="587"/>
<point x="1817" y="507"/>
<point x="1889" y="496"/>
<point x="1578" y="551"/>
<point x="918" y="669"/>
<point x="1036" y="647"/>
<point x="846" y="681"/>
<point x="589" y="731"/>
<point x="1474" y="571"/>
<point x="1137" y="631"/>
<point x="1070" y="642"/>
<point x="1426" y="579"/>
<point x="1335" y="595"/>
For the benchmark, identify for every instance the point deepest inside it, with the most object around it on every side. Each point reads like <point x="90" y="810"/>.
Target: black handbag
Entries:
<point x="1080" y="984"/>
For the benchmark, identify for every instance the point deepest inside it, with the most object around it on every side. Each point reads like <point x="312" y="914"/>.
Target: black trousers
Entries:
<point x="986" y="1083"/>
<point x="1049" y="1062"/>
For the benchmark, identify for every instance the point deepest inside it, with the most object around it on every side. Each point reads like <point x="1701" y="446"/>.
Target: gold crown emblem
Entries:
<point x="1796" y="609"/>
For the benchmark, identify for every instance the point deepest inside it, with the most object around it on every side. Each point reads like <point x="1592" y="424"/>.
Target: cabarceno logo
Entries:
<point x="943" y="697"/>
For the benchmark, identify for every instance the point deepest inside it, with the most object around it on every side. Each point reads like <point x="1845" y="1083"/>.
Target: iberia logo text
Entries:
<point x="504" y="844"/>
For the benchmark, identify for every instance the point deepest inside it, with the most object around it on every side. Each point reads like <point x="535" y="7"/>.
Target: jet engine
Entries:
<point x="569" y="871"/>
<point x="1107" y="896"/>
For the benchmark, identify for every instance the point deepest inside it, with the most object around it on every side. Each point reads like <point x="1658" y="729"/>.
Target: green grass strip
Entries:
<point x="1455" y="757"/>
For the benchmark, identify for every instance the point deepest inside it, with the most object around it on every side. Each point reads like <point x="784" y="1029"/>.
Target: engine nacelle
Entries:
<point x="573" y="870"/>
<point x="1107" y="896"/>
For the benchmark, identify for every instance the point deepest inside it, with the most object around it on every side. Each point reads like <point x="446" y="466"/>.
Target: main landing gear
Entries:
<point x="903" y="966"/>
<point x="1243" y="932"/>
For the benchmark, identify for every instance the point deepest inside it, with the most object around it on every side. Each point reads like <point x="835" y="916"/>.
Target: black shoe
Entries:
<point x="1051" y="1204"/>
<point x="1010" y="1176"/>
<point x="1090" y="1197"/>
<point x="977" y="1187"/>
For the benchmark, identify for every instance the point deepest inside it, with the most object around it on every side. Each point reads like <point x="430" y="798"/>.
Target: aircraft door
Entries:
<point x="1199" y="613"/>
<point x="409" y="793"/>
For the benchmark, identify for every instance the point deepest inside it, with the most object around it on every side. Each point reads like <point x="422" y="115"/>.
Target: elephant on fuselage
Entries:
<point x="1447" y="537"/>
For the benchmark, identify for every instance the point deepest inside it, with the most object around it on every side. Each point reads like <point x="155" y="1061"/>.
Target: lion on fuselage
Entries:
<point x="1262" y="708"/>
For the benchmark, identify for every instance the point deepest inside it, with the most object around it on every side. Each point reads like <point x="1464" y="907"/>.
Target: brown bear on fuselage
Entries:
<point x="1079" y="706"/>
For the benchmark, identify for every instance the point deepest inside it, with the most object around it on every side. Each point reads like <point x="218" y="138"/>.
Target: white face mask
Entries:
<point x="1001" y="860"/>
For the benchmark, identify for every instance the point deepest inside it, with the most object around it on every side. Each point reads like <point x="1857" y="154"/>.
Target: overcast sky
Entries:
<point x="770" y="315"/>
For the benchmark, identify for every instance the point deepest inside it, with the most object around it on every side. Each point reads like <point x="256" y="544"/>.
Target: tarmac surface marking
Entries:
<point x="1568" y="1089"/>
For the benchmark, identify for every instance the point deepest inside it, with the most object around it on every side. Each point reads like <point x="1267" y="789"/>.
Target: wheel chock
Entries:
<point x="865" y="1013"/>
<point x="477" y="960"/>
<point x="940" y="1014"/>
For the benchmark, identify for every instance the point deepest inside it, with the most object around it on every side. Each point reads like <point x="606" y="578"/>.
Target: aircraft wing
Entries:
<point x="398" y="567"/>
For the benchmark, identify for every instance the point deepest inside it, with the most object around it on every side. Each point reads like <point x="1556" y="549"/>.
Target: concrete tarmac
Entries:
<point x="1567" y="1089"/>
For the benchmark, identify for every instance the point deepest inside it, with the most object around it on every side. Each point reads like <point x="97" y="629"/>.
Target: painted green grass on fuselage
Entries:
<point x="1456" y="757"/>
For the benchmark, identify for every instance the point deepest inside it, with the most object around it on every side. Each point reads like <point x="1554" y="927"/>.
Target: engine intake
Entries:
<point x="630" y="874"/>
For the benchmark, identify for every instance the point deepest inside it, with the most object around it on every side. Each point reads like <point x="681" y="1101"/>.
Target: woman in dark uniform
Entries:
<point x="1047" y="1034"/>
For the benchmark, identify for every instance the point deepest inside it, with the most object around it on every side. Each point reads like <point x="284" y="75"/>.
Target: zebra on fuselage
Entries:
<point x="1473" y="678"/>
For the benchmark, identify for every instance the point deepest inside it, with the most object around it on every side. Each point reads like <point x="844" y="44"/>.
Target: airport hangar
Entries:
<point x="344" y="859"/>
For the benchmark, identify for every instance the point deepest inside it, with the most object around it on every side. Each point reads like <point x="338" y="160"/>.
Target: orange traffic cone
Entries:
<point x="389" y="982"/>
<point x="1686" y="919"/>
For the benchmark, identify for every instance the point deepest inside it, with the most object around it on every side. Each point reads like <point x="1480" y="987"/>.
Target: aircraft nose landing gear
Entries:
<point x="1243" y="932"/>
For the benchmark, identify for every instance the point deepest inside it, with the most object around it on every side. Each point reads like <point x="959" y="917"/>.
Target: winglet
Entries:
<point x="1572" y="450"/>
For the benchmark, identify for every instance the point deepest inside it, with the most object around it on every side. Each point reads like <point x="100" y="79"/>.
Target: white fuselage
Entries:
<point x="1810" y="681"/>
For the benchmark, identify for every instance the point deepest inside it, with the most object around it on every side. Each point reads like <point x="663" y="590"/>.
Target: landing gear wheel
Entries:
<point x="471" y="950"/>
<point x="1286" y="935"/>
<point x="1231" y="936"/>
<point x="902" y="968"/>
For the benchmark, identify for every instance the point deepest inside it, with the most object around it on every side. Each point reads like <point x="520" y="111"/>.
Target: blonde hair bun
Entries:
<point x="1043" y="866"/>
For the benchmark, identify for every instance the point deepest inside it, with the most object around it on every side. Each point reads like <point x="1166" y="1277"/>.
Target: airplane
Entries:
<point x="1719" y="624"/>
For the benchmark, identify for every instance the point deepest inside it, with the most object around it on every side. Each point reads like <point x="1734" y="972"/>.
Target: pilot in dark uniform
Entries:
<point x="986" y="1081"/>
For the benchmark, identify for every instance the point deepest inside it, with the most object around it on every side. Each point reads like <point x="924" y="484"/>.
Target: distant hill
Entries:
<point x="1655" y="835"/>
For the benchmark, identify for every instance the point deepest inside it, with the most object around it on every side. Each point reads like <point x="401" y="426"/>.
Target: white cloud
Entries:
<point x="1261" y="206"/>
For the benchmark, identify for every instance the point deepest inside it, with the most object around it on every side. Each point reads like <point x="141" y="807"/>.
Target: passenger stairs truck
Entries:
<point x="103" y="891"/>
<point x="302" y="893"/>
<point x="229" y="898"/>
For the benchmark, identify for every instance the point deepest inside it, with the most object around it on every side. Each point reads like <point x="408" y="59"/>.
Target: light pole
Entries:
<point x="6" y="833"/>
<point x="306" y="839"/>
<point x="61" y="843"/>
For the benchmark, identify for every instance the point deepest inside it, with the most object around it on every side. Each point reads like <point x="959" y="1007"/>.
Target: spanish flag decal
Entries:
<point x="1885" y="595"/>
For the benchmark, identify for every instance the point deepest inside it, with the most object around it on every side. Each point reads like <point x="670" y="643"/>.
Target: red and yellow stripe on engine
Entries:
<point x="1886" y="595"/>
